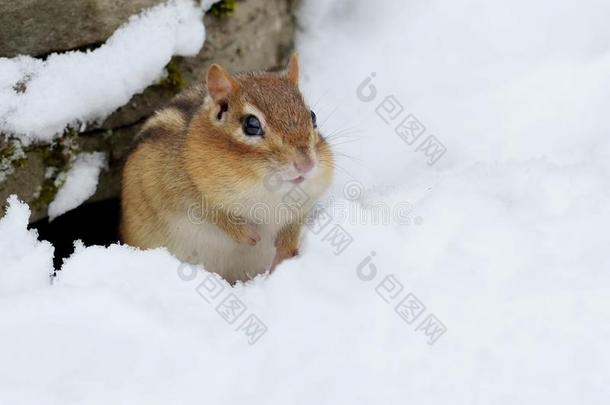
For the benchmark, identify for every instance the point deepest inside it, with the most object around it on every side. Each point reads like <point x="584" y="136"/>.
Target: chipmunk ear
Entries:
<point x="292" y="71"/>
<point x="220" y="83"/>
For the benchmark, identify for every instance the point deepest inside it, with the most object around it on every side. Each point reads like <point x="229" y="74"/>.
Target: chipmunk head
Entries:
<point x="253" y="125"/>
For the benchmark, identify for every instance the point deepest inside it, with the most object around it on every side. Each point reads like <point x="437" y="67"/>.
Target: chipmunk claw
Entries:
<point x="280" y="257"/>
<point x="248" y="235"/>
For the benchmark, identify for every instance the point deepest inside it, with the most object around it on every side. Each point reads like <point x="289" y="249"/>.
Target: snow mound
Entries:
<point x="80" y="183"/>
<point x="460" y="301"/>
<point x="39" y="98"/>
<point x="488" y="90"/>
<point x="25" y="263"/>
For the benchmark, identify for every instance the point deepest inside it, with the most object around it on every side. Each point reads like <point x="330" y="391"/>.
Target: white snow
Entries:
<point x="77" y="87"/>
<point x="506" y="245"/>
<point x="80" y="183"/>
<point x="26" y="263"/>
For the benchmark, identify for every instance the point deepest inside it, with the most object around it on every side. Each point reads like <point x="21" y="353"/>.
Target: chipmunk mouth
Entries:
<point x="298" y="180"/>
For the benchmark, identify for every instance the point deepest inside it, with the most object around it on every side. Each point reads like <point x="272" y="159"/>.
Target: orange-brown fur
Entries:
<point x="191" y="153"/>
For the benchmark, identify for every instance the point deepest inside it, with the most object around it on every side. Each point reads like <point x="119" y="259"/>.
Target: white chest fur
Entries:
<point x="200" y="242"/>
<point x="208" y="245"/>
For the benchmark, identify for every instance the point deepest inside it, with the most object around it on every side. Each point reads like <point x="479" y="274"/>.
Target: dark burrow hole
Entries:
<point x="95" y="223"/>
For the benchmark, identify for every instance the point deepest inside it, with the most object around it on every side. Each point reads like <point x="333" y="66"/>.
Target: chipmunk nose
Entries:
<point x="303" y="163"/>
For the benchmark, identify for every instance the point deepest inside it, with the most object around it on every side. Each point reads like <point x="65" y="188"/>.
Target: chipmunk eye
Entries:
<point x="313" y="119"/>
<point x="252" y="126"/>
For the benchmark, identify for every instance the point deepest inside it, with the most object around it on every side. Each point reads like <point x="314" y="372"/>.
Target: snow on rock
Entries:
<point x="80" y="183"/>
<point x="39" y="98"/>
<point x="25" y="263"/>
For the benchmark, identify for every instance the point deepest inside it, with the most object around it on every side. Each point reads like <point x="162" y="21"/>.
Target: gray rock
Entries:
<point x="39" y="27"/>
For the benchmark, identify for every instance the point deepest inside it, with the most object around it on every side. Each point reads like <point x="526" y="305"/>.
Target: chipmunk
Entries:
<point x="221" y="147"/>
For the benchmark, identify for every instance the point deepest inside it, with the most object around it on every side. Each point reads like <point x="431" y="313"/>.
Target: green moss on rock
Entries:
<point x="11" y="156"/>
<point x="46" y="192"/>
<point x="223" y="8"/>
<point x="57" y="158"/>
<point x="173" y="80"/>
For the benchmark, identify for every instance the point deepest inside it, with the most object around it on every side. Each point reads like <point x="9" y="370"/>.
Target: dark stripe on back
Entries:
<point x="188" y="106"/>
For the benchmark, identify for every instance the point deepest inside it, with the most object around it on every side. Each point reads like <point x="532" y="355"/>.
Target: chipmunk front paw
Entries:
<point x="247" y="234"/>
<point x="281" y="255"/>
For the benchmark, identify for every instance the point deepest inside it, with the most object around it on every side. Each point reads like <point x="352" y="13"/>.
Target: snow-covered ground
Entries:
<point x="489" y="283"/>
